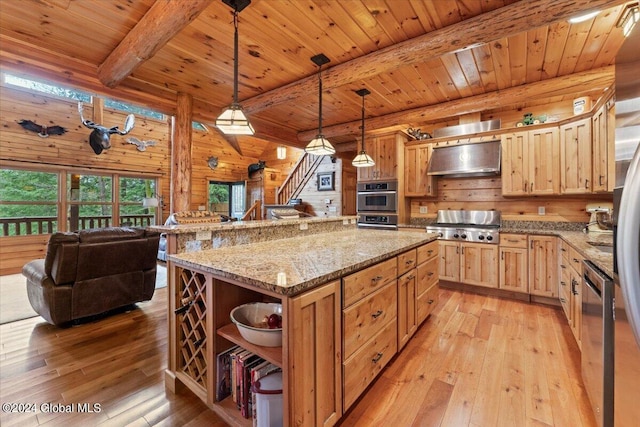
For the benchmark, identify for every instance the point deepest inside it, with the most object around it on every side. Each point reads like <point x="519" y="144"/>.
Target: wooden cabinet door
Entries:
<point x="575" y="157"/>
<point x="543" y="161"/>
<point x="407" y="324"/>
<point x="416" y="180"/>
<point x="603" y="148"/>
<point x="386" y="158"/>
<point x="449" y="261"/>
<point x="515" y="169"/>
<point x="314" y="363"/>
<point x="576" y="306"/>
<point x="513" y="269"/>
<point x="479" y="264"/>
<point x="368" y="174"/>
<point x="543" y="266"/>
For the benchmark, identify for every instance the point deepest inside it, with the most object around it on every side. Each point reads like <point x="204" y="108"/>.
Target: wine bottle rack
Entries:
<point x="191" y="312"/>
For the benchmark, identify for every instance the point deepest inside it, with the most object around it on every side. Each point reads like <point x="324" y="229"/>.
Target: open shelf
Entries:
<point x="228" y="411"/>
<point x="272" y="354"/>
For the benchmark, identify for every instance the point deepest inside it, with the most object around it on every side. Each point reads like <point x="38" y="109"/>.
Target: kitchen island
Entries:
<point x="350" y="301"/>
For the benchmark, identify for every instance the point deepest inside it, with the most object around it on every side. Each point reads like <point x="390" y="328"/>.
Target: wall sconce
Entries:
<point x="630" y="16"/>
<point x="281" y="152"/>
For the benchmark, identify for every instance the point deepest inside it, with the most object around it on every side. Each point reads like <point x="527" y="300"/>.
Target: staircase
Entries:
<point x="298" y="178"/>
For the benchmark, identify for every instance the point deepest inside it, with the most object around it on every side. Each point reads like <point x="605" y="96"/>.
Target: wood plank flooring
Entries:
<point x="477" y="361"/>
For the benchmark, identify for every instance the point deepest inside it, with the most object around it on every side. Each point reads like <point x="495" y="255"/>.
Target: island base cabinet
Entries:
<point x="427" y="301"/>
<point x="314" y="363"/>
<point x="365" y="364"/>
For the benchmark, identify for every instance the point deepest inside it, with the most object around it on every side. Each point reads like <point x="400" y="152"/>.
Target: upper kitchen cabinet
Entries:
<point x="530" y="163"/>
<point x="575" y="157"/>
<point x="603" y="128"/>
<point x="386" y="150"/>
<point x="416" y="181"/>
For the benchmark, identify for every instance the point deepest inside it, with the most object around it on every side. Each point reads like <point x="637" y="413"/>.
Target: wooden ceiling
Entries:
<point x="422" y="60"/>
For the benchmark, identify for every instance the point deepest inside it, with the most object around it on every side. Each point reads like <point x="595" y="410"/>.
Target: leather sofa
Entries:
<point x="91" y="272"/>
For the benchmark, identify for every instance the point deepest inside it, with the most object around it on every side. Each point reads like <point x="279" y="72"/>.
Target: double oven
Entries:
<point x="377" y="204"/>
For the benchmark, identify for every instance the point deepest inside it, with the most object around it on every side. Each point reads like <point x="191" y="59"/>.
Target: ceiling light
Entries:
<point x="233" y="121"/>
<point x="582" y="18"/>
<point x="319" y="145"/>
<point x="363" y="160"/>
<point x="281" y="152"/>
<point x="630" y="16"/>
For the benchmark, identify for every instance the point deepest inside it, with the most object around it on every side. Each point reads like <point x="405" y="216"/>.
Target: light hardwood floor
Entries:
<point x="478" y="361"/>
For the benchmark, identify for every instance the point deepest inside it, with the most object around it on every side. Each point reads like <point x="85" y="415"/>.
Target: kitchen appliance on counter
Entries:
<point x="468" y="226"/>
<point x="626" y="235"/>
<point x="597" y="341"/>
<point x="600" y="221"/>
<point x="377" y="204"/>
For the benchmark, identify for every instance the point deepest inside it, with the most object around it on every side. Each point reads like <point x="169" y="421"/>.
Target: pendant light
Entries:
<point x="319" y="145"/>
<point x="233" y="121"/>
<point x="363" y="160"/>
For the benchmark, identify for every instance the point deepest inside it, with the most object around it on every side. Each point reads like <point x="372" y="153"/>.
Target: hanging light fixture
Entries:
<point x="630" y="16"/>
<point x="363" y="160"/>
<point x="233" y="121"/>
<point x="319" y="145"/>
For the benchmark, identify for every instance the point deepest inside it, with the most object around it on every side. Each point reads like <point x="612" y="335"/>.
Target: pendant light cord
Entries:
<point x="235" y="57"/>
<point x="320" y="100"/>
<point x="363" y="122"/>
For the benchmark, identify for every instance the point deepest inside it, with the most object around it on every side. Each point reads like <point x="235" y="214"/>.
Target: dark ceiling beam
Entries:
<point x="600" y="78"/>
<point x="517" y="17"/>
<point x="160" y="24"/>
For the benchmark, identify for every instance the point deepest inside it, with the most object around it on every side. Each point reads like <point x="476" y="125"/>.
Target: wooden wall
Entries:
<point x="316" y="199"/>
<point x="486" y="193"/>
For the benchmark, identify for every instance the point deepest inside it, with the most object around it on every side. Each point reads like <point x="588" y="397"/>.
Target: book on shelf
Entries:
<point x="242" y="384"/>
<point x="234" y="372"/>
<point x="246" y="408"/>
<point x="223" y="365"/>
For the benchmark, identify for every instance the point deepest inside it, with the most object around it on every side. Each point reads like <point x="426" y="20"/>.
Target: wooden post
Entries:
<point x="181" y="154"/>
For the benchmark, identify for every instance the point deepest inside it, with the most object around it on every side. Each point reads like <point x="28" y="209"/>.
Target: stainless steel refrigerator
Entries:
<point x="627" y="235"/>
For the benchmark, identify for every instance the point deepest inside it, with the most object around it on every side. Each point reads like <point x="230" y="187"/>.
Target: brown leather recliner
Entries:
<point x="91" y="272"/>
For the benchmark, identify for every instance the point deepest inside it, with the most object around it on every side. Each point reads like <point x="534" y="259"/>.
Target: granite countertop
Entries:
<point x="238" y="225"/>
<point x="294" y="265"/>
<point x="582" y="242"/>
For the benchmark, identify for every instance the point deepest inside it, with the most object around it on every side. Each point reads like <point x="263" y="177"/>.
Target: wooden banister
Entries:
<point x="298" y="177"/>
<point x="254" y="212"/>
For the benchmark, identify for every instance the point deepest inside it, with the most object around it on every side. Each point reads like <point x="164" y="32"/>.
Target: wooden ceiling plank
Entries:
<point x="518" y="64"/>
<point x="536" y="46"/>
<point x="556" y="40"/>
<point x="573" y="48"/>
<point x="571" y="84"/>
<point x="466" y="34"/>
<point x="160" y="24"/>
<point x="457" y="76"/>
<point x="596" y="39"/>
<point x="471" y="71"/>
<point x="501" y="64"/>
<point x="482" y="55"/>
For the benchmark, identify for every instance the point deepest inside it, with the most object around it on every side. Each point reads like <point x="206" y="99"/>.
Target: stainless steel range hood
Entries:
<point x="466" y="160"/>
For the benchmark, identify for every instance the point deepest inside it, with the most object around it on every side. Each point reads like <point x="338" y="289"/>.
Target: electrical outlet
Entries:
<point x="304" y="226"/>
<point x="541" y="210"/>
<point x="424" y="210"/>
<point x="327" y="201"/>
<point x="333" y="209"/>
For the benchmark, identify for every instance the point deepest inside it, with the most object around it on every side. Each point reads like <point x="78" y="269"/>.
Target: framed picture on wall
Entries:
<point x="326" y="181"/>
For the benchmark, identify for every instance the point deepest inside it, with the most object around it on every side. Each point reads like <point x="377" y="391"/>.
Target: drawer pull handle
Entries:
<point x="430" y="251"/>
<point x="376" y="279"/>
<point x="430" y="273"/>
<point x="377" y="358"/>
<point x="408" y="262"/>
<point x="562" y="300"/>
<point x="563" y="283"/>
<point x="430" y="301"/>
<point x="562" y="266"/>
<point x="512" y="240"/>
<point x="563" y="250"/>
<point x="377" y="314"/>
<point x="411" y="277"/>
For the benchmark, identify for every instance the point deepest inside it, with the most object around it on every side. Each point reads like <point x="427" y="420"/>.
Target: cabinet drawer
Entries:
<point x="427" y="301"/>
<point x="565" y="282"/>
<point x="566" y="304"/>
<point x="406" y="261"/>
<point x="363" y="320"/>
<point x="575" y="259"/>
<point x="367" y="362"/>
<point x="427" y="275"/>
<point x="362" y="283"/>
<point x="564" y="249"/>
<point x="509" y="240"/>
<point x="428" y="251"/>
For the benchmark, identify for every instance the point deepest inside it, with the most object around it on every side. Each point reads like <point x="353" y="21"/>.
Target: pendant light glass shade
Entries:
<point x="320" y="146"/>
<point x="233" y="121"/>
<point x="363" y="160"/>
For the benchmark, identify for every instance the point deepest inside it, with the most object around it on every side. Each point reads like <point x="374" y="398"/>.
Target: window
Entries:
<point x="47" y="88"/>
<point x="89" y="201"/>
<point x="28" y="202"/>
<point x="139" y="111"/>
<point x="133" y="191"/>
<point x="227" y="198"/>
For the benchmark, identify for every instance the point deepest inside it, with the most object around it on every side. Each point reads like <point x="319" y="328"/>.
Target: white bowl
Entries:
<point x="246" y="316"/>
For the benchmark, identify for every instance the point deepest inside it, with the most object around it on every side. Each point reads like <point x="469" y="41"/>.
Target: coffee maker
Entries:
<point x="600" y="221"/>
